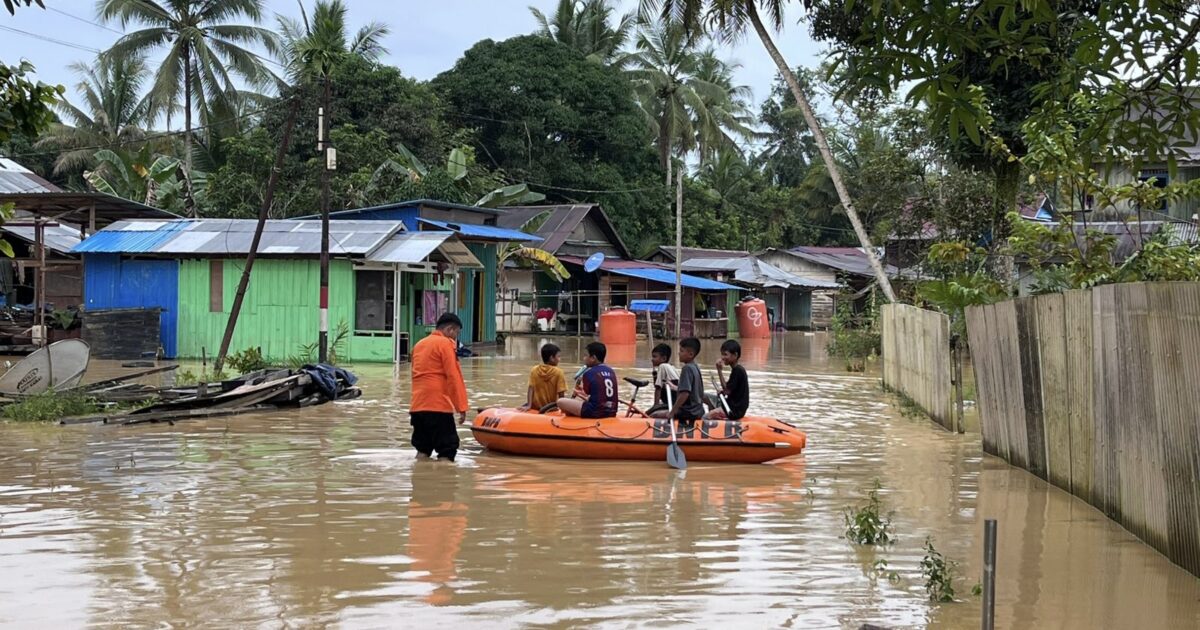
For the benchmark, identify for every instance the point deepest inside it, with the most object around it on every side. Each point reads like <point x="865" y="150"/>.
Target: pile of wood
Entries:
<point x="256" y="391"/>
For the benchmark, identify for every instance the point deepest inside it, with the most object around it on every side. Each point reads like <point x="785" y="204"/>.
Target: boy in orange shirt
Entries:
<point x="438" y="390"/>
<point x="546" y="381"/>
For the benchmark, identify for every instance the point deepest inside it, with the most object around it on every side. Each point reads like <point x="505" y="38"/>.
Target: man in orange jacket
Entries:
<point x="438" y="390"/>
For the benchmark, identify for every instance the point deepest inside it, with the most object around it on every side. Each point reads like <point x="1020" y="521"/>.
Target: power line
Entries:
<point x="86" y="21"/>
<point x="50" y="39"/>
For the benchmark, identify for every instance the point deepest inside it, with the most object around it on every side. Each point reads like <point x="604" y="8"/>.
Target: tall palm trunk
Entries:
<point x="823" y="147"/>
<point x="664" y="142"/>
<point x="189" y="201"/>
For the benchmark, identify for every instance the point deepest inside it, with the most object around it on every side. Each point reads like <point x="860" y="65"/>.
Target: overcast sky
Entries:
<point x="427" y="36"/>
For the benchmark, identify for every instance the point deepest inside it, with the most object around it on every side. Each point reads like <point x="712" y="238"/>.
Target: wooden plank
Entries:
<point x="1107" y="400"/>
<point x="1136" y="482"/>
<point x="1009" y="365"/>
<point x="1031" y="385"/>
<point x="1077" y="316"/>
<point x="1052" y="354"/>
<point x="981" y="344"/>
<point x="1174" y="329"/>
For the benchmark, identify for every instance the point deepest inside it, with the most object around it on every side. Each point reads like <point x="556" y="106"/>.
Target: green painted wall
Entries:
<point x="279" y="313"/>
<point x="731" y="300"/>
<point x="482" y="300"/>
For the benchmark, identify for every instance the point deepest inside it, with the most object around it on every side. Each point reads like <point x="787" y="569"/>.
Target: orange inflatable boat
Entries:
<point x="751" y="440"/>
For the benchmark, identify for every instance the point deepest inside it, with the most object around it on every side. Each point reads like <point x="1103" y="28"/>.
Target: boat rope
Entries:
<point x="556" y="425"/>
<point x="618" y="437"/>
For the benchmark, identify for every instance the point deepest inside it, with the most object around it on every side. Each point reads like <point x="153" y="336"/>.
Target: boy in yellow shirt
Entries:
<point x="546" y="381"/>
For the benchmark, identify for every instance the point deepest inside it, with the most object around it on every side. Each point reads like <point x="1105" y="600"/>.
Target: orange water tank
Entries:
<point x="618" y="326"/>
<point x="752" y="319"/>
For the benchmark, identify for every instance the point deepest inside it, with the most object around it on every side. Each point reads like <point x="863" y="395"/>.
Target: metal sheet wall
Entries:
<point x="113" y="282"/>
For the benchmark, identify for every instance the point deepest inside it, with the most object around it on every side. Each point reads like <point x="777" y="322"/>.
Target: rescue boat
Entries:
<point x="751" y="440"/>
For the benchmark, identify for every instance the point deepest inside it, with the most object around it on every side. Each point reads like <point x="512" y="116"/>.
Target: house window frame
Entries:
<point x="389" y="287"/>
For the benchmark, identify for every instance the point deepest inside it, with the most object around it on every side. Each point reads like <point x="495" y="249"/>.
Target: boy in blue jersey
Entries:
<point x="599" y="385"/>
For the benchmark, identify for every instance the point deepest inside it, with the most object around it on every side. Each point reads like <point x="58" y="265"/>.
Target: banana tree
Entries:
<point x="539" y="259"/>
<point x="141" y="176"/>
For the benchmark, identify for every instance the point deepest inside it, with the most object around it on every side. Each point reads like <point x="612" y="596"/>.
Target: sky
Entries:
<point x="426" y="38"/>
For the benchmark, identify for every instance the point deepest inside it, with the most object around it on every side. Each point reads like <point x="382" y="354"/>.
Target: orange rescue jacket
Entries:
<point x="437" y="381"/>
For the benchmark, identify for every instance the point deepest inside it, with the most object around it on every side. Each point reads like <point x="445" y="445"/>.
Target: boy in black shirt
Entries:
<point x="737" y="388"/>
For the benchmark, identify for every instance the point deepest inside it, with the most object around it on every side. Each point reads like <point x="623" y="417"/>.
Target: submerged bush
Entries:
<point x="50" y="406"/>
<point x="867" y="525"/>
<point x="938" y="573"/>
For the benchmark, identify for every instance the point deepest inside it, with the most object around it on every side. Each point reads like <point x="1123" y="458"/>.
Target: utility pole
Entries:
<point x="329" y="159"/>
<point x="678" y="253"/>
<point x="263" y="213"/>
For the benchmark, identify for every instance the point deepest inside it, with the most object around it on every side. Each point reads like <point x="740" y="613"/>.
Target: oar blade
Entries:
<point x="675" y="458"/>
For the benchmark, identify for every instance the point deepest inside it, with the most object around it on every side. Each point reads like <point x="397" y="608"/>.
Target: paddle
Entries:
<point x="675" y="458"/>
<point x="724" y="403"/>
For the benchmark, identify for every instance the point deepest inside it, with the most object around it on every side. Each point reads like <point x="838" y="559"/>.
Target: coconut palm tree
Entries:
<point x="312" y="47"/>
<point x="731" y="19"/>
<point x="685" y="92"/>
<point x="589" y="26"/>
<point x="113" y="111"/>
<point x="205" y="52"/>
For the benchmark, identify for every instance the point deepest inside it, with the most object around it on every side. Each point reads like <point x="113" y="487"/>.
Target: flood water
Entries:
<point x="322" y="517"/>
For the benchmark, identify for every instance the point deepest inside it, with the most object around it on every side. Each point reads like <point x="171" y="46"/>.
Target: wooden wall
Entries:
<point x="1098" y="392"/>
<point x="916" y="359"/>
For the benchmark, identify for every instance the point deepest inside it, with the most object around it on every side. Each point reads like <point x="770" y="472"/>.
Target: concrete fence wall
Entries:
<point x="916" y="359"/>
<point x="1098" y="392"/>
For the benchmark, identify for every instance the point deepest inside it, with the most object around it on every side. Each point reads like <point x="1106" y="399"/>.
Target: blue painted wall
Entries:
<point x="112" y="282"/>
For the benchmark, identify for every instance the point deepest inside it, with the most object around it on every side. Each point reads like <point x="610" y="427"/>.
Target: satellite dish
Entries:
<point x="593" y="262"/>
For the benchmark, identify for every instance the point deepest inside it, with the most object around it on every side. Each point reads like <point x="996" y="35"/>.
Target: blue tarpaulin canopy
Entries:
<point x="490" y="232"/>
<point x="650" y="306"/>
<point x="668" y="277"/>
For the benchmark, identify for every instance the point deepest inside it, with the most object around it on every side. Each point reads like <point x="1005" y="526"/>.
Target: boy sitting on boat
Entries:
<point x="689" y="402"/>
<point x="599" y="387"/>
<point x="736" y="390"/>
<point x="664" y="376"/>
<point x="546" y="380"/>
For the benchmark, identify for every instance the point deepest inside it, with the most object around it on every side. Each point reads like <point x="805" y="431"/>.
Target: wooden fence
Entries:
<point x="916" y="359"/>
<point x="1098" y="392"/>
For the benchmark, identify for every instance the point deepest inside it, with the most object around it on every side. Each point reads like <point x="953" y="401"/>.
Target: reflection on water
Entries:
<point x="323" y="517"/>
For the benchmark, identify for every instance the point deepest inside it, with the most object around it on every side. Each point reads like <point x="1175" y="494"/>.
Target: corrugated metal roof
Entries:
<point x="61" y="238"/>
<point x="664" y="276"/>
<point x="750" y="270"/>
<point x="15" y="178"/>
<point x="411" y="203"/>
<point x="611" y="264"/>
<point x="561" y="223"/>
<point x="234" y="236"/>
<point x="689" y="253"/>
<point x="409" y="247"/>
<point x="488" y="232"/>
<point x="848" y="259"/>
<point x="131" y="240"/>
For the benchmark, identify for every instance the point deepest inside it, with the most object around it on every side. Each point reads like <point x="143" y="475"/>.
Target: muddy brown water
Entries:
<point x="322" y="517"/>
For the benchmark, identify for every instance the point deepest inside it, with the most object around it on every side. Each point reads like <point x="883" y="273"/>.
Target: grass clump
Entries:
<point x="868" y="525"/>
<point x="50" y="406"/>
<point x="939" y="574"/>
<point x="246" y="361"/>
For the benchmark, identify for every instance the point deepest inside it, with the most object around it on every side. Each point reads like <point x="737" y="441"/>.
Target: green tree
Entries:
<point x="113" y="110"/>
<point x="686" y="93"/>
<point x="314" y="48"/>
<point x="204" y="54"/>
<point x="544" y="115"/>
<point x="26" y="107"/>
<point x="591" y="27"/>
<point x="731" y="18"/>
<point x="1003" y="81"/>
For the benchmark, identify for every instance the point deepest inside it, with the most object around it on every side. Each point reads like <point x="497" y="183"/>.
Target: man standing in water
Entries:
<point x="438" y="390"/>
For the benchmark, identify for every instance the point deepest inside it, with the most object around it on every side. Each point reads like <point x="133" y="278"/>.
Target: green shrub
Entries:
<point x="246" y="361"/>
<point x="867" y="525"/>
<point x="939" y="574"/>
<point x="50" y="406"/>
<point x="854" y="339"/>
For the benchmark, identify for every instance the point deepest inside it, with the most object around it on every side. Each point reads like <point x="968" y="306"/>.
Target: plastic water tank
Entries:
<point x="752" y="320"/>
<point x="618" y="326"/>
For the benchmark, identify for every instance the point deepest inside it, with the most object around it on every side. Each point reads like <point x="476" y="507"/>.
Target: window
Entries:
<point x="216" y="286"/>
<point x="619" y="295"/>
<point x="374" y="300"/>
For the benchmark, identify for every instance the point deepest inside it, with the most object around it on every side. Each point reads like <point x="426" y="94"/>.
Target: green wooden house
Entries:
<point x="387" y="284"/>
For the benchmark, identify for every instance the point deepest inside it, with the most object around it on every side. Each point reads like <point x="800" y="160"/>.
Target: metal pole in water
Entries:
<point x="989" y="574"/>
